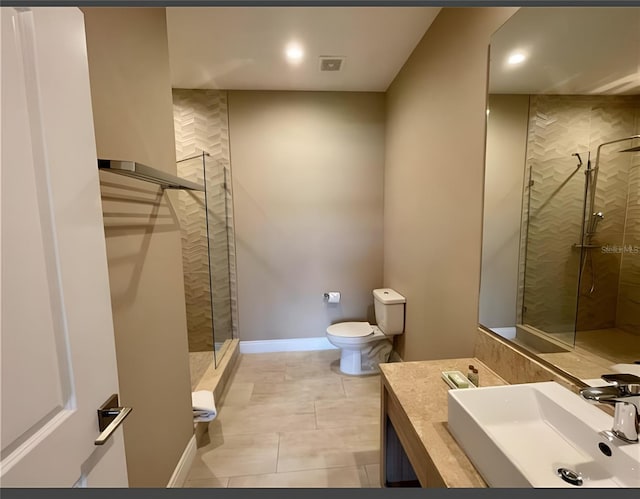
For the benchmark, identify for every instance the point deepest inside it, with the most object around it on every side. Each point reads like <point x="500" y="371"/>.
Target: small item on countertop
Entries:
<point x="473" y="376"/>
<point x="470" y="373"/>
<point x="458" y="380"/>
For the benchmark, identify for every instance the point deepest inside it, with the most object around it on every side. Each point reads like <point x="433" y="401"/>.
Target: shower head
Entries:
<point x="579" y="159"/>
<point x="631" y="149"/>
<point x="597" y="217"/>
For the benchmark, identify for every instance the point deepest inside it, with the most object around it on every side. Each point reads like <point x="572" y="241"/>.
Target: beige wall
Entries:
<point x="434" y="181"/>
<point x="308" y="204"/>
<point x="131" y="94"/>
<point x="504" y="173"/>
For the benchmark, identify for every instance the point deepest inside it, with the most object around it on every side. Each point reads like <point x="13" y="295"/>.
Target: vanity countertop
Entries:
<point x="419" y="395"/>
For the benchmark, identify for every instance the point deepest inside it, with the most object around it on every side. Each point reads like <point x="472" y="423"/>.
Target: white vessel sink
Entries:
<point x="521" y="435"/>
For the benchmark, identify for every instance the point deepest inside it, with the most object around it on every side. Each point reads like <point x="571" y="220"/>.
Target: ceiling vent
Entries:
<point x="331" y="63"/>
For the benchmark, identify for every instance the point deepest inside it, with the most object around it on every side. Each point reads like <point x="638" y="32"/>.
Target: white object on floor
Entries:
<point x="204" y="407"/>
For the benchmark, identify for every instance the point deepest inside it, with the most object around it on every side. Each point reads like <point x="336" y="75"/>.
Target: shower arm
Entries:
<point x="594" y="170"/>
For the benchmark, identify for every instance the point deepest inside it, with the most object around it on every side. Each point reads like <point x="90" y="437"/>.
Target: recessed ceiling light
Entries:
<point x="294" y="53"/>
<point x="516" y="58"/>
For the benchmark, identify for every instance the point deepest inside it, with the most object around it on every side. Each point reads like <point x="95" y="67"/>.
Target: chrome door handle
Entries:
<point x="110" y="416"/>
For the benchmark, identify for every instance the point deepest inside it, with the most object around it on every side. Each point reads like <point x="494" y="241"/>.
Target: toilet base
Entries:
<point x="364" y="361"/>
<point x="351" y="363"/>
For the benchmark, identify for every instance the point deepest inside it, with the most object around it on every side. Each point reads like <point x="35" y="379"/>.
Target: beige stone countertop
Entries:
<point x="422" y="395"/>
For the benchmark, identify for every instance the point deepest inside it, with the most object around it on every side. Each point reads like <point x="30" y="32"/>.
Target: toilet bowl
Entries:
<point x="363" y="346"/>
<point x="355" y="340"/>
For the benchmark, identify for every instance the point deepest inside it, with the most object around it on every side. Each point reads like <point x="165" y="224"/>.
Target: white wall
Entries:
<point x="308" y="204"/>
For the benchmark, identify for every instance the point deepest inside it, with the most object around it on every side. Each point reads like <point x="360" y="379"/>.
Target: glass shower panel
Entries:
<point x="610" y="296"/>
<point x="605" y="250"/>
<point x="628" y="306"/>
<point x="206" y="230"/>
<point x="556" y="191"/>
<point x="219" y="225"/>
<point x="195" y="262"/>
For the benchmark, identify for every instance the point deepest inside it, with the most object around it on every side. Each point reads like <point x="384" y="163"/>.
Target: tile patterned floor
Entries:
<point x="292" y="419"/>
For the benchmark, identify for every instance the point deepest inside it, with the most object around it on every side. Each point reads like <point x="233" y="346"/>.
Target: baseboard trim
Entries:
<point x="181" y="472"/>
<point x="288" y="345"/>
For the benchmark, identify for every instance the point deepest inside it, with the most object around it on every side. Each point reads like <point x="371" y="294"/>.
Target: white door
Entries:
<point x="58" y="355"/>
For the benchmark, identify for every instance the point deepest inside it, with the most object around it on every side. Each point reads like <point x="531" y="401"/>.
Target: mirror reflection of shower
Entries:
<point x="579" y="283"/>
<point x="571" y="318"/>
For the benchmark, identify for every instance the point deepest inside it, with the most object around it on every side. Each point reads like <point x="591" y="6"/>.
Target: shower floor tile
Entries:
<point x="595" y="351"/>
<point x="292" y="419"/>
<point x="613" y="344"/>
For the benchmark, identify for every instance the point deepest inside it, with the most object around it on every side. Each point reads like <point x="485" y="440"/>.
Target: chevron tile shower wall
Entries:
<point x="201" y="125"/>
<point x="609" y="294"/>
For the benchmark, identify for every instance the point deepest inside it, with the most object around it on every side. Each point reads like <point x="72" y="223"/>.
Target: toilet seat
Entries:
<point x="351" y="335"/>
<point x="350" y="329"/>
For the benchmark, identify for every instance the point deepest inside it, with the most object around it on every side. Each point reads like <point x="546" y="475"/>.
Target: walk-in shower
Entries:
<point x="201" y="126"/>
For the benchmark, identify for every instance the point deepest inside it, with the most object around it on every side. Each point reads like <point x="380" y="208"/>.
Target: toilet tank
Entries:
<point x="389" y="309"/>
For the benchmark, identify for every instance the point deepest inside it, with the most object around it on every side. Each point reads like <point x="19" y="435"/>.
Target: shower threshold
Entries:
<point x="538" y="341"/>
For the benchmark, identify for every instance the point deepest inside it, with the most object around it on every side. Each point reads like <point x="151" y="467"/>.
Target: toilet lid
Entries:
<point x="350" y="329"/>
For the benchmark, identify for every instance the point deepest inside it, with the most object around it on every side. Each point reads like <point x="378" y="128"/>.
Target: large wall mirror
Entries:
<point x="561" y="229"/>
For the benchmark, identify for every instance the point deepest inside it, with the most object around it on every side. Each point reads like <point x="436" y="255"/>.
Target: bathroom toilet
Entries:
<point x="363" y="346"/>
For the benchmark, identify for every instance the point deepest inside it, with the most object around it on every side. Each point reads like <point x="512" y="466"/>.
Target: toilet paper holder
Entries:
<point x="332" y="297"/>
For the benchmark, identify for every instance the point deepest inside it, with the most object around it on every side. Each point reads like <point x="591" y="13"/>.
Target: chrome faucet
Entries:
<point x="624" y="395"/>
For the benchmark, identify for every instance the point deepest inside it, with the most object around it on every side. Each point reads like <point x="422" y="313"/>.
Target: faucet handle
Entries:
<point x="621" y="379"/>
